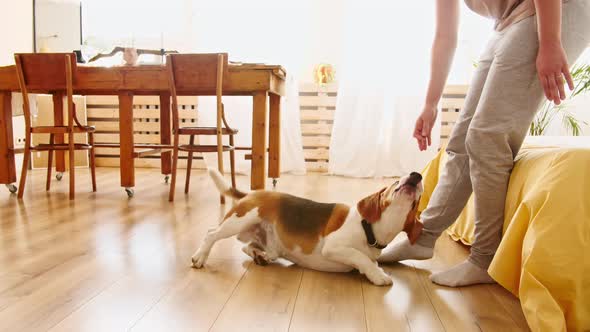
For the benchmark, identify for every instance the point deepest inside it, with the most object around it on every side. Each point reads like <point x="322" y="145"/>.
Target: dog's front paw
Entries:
<point x="199" y="259"/>
<point x="379" y="278"/>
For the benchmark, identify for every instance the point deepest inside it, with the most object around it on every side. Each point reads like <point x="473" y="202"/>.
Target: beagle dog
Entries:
<point x="319" y="236"/>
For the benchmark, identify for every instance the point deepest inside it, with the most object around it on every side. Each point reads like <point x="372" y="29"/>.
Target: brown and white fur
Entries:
<point x="319" y="236"/>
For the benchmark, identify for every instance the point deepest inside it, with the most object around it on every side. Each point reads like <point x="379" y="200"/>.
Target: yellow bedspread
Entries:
<point x="544" y="257"/>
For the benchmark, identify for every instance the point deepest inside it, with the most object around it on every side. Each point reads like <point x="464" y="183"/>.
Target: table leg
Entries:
<point x="165" y="134"/>
<point x="127" y="163"/>
<point x="274" y="137"/>
<point x="257" y="179"/>
<point x="58" y="120"/>
<point x="7" y="164"/>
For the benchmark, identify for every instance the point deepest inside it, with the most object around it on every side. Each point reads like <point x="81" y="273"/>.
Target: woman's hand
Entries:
<point x="552" y="67"/>
<point x="424" y="124"/>
<point x="443" y="50"/>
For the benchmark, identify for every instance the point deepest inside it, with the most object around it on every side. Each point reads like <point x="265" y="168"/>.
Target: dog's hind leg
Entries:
<point x="257" y="253"/>
<point x="257" y="244"/>
<point x="231" y="226"/>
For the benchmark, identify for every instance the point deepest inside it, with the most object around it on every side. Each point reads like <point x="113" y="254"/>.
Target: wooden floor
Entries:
<point x="108" y="263"/>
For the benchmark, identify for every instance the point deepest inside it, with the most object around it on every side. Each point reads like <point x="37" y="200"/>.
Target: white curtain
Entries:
<point x="260" y="31"/>
<point x="382" y="82"/>
<point x="257" y="34"/>
<point x="151" y="24"/>
<point x="380" y="49"/>
<point x="239" y="116"/>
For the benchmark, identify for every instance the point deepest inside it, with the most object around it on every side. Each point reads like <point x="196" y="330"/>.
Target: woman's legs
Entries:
<point x="506" y="105"/>
<point x="509" y="102"/>
<point x="454" y="186"/>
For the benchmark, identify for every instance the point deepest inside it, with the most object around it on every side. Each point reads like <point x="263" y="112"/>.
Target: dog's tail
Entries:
<point x="224" y="187"/>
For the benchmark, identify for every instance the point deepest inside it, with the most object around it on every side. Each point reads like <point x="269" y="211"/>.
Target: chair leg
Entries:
<point x="72" y="159"/>
<point x="232" y="161"/>
<point x="174" y="168"/>
<point x="189" y="165"/>
<point x="92" y="161"/>
<point x="23" y="176"/>
<point x="220" y="168"/>
<point x="49" y="163"/>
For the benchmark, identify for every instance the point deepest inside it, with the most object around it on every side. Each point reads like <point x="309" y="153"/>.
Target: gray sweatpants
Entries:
<point x="501" y="103"/>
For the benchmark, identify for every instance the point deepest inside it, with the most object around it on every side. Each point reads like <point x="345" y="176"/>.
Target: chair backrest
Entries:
<point x="46" y="71"/>
<point x="192" y="73"/>
<point x="197" y="72"/>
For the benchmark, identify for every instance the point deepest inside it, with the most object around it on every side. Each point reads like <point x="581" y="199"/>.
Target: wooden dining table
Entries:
<point x="264" y="83"/>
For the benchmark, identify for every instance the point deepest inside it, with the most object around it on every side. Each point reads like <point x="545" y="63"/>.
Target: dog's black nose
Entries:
<point x="415" y="178"/>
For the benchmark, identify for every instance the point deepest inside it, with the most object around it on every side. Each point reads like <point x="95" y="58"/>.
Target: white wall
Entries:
<point x="325" y="38"/>
<point x="298" y="34"/>
<point x="311" y="30"/>
<point x="326" y="41"/>
<point x="16" y="29"/>
<point x="57" y="25"/>
<point x="16" y="35"/>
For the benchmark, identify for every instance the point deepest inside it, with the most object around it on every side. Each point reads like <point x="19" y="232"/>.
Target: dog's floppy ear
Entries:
<point x="370" y="207"/>
<point x="413" y="227"/>
<point x="414" y="230"/>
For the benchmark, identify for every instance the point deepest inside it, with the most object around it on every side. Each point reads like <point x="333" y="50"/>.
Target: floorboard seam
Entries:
<point x="499" y="301"/>
<point x="295" y="302"/>
<point x="230" y="296"/>
<point x="166" y="292"/>
<point x="474" y="315"/>
<point x="117" y="279"/>
<point x="428" y="295"/>
<point x="364" y="306"/>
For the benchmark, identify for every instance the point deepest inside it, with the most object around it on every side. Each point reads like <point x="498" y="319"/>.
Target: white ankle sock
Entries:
<point x="404" y="250"/>
<point x="464" y="274"/>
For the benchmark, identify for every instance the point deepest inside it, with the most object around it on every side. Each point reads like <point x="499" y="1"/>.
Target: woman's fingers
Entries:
<point x="553" y="71"/>
<point x="421" y="143"/>
<point x="568" y="77"/>
<point x="418" y="130"/>
<point x="426" y="130"/>
<point x="560" y="87"/>
<point x="553" y="89"/>
<point x="545" y="86"/>
<point x="423" y="131"/>
<point x="418" y="133"/>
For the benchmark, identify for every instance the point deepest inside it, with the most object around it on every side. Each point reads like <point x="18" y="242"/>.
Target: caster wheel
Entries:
<point x="59" y="176"/>
<point x="274" y="183"/>
<point x="166" y="178"/>
<point x="130" y="192"/>
<point x="12" y="188"/>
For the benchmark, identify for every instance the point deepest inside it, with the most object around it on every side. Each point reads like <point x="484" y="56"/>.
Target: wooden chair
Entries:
<point x="197" y="74"/>
<point x="53" y="73"/>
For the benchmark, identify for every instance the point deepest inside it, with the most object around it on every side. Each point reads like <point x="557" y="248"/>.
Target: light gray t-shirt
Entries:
<point x="505" y="12"/>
